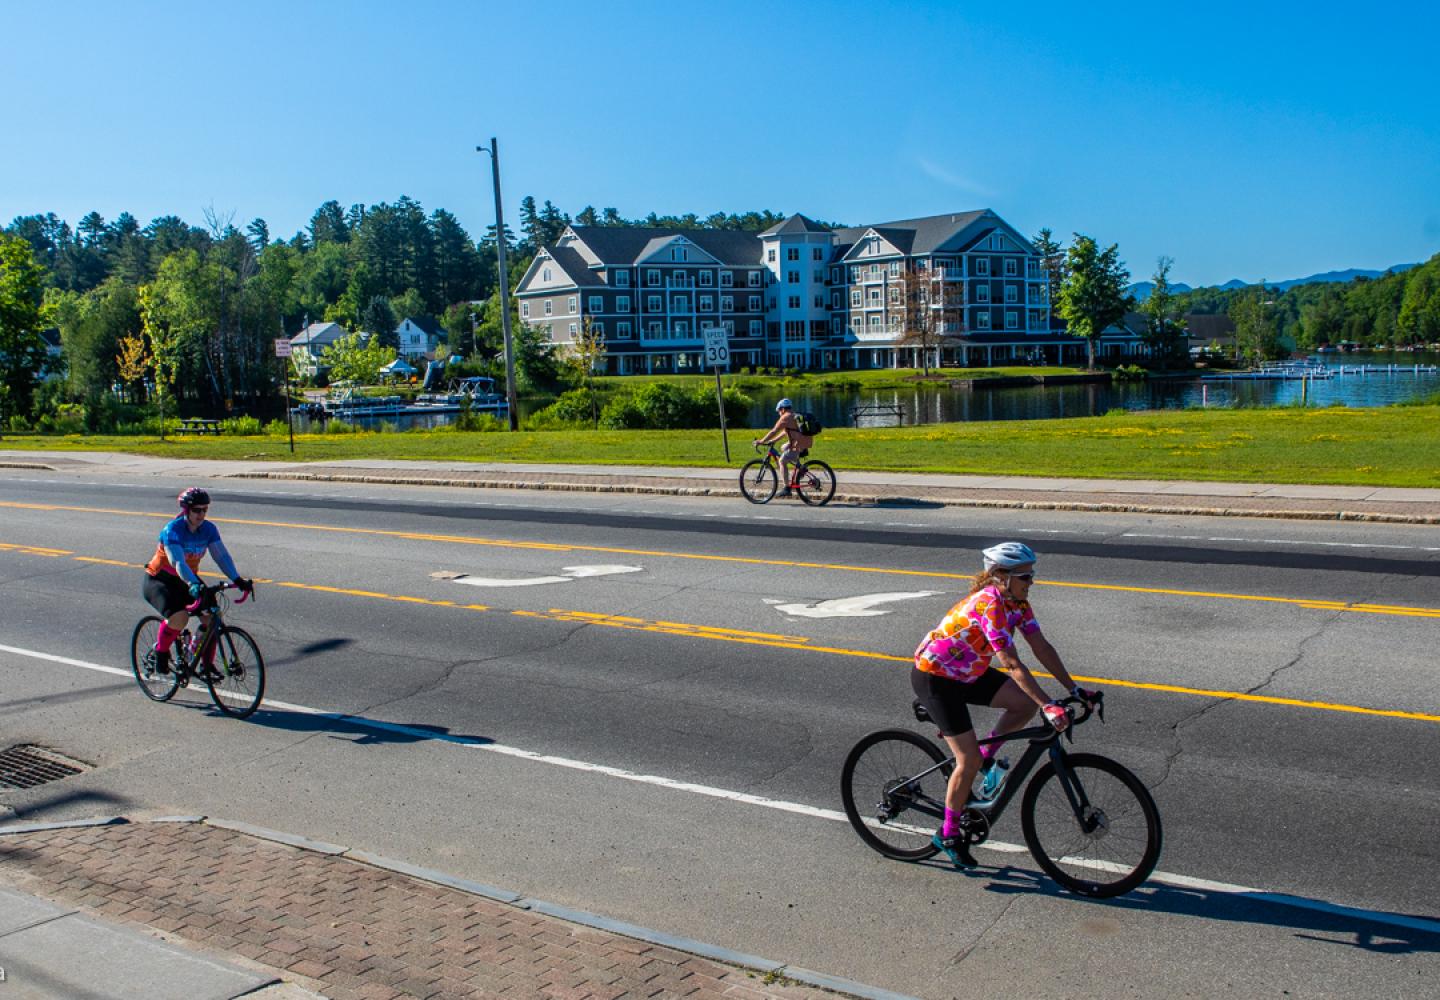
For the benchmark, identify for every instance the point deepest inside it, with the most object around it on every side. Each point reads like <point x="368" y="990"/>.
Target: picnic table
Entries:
<point x="199" y="425"/>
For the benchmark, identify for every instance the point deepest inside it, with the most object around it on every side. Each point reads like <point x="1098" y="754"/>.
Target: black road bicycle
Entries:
<point x="1090" y="824"/>
<point x="814" y="481"/>
<point x="236" y="674"/>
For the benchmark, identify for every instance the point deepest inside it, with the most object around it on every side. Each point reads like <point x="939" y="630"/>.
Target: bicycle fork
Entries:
<point x="1088" y="817"/>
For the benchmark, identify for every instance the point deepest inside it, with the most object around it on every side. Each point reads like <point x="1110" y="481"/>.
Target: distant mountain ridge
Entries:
<point x="1142" y="289"/>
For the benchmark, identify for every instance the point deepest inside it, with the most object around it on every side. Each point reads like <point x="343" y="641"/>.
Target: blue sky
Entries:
<point x="1243" y="140"/>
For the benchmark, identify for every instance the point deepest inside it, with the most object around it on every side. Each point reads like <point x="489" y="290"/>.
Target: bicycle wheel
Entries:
<point x="758" y="481"/>
<point x="815" y="483"/>
<point x="157" y="687"/>
<point x="240" y="683"/>
<point x="1106" y="849"/>
<point x="892" y="811"/>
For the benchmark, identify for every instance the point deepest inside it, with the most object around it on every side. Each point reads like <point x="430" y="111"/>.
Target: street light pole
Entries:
<point x="504" y="287"/>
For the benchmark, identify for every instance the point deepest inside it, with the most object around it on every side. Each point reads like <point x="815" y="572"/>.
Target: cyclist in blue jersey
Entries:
<point x="172" y="580"/>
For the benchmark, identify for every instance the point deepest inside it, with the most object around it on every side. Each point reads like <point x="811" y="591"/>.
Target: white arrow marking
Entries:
<point x="849" y="607"/>
<point x="571" y="573"/>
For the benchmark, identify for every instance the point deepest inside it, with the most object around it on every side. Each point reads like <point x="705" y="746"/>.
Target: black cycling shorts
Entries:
<point x="948" y="700"/>
<point x="167" y="593"/>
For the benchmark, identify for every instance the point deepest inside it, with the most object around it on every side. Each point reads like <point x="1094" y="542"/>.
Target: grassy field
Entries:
<point x="1383" y="446"/>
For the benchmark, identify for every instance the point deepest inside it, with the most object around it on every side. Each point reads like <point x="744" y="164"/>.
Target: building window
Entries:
<point x="894" y="296"/>
<point x="894" y="267"/>
<point x="757" y="328"/>
<point x="678" y="304"/>
<point x="572" y="331"/>
<point x="874" y="270"/>
<point x="794" y="302"/>
<point x="834" y="300"/>
<point x="653" y="303"/>
<point x="622" y="304"/>
<point x="622" y="331"/>
<point x="652" y="277"/>
<point x="678" y="253"/>
<point x="570" y="302"/>
<point x="707" y="278"/>
<point x="525" y="310"/>
<point x="875" y="297"/>
<point x="1012" y="294"/>
<point x="727" y="303"/>
<point x="596" y="305"/>
<point x="982" y="320"/>
<point x="997" y="242"/>
<point x="754" y="303"/>
<point x="727" y="279"/>
<point x="770" y="255"/>
<point x="854" y="272"/>
<point x="855" y="297"/>
<point x="792" y="277"/>
<point x="875" y="321"/>
<point x="819" y="275"/>
<point x="819" y="301"/>
<point x="792" y="253"/>
<point x="1012" y="267"/>
<point x="654" y="328"/>
<point x="549" y="307"/>
<point x="545" y="274"/>
<point x="754" y="279"/>
<point x="622" y="278"/>
<point x="835" y="275"/>
<point x="682" y="328"/>
<point x="1012" y="320"/>
<point x="817" y="254"/>
<point x="982" y="293"/>
<point x="982" y="267"/>
<point x="707" y="303"/>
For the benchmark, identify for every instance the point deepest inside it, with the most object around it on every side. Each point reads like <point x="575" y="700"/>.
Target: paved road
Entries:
<point x="701" y="659"/>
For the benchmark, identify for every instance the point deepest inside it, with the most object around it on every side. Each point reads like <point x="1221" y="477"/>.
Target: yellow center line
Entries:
<point x="767" y="639"/>
<point x="1309" y="604"/>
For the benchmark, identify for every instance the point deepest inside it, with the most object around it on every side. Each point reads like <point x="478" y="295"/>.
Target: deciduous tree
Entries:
<point x="23" y="314"/>
<point x="1092" y="294"/>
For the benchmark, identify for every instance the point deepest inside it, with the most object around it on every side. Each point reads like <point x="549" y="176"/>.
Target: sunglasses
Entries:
<point x="198" y="510"/>
<point x="1027" y="577"/>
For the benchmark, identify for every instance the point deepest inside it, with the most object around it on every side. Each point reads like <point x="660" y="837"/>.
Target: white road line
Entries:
<point x="797" y="808"/>
<point x="1284" y="541"/>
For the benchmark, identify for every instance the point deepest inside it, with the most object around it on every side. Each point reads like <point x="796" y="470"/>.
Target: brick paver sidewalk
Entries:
<point x="346" y="929"/>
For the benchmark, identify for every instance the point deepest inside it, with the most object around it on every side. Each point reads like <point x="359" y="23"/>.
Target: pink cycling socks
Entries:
<point x="166" y="639"/>
<point x="951" y="826"/>
<point x="988" y="750"/>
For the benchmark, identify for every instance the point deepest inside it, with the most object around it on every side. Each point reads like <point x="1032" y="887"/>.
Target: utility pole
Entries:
<point x="504" y="287"/>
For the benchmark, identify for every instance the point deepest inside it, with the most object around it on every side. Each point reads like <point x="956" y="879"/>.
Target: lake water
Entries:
<point x="931" y="404"/>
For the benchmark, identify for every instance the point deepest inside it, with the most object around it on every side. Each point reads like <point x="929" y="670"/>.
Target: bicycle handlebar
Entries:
<point x="209" y="592"/>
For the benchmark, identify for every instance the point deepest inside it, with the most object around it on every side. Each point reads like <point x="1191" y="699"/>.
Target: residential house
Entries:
<point x="307" y="345"/>
<point x="419" y="336"/>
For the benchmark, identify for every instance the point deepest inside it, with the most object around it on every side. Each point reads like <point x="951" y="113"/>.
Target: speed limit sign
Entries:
<point x="717" y="347"/>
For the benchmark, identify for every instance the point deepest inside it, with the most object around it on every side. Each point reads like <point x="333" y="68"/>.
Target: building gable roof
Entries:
<point x="797" y="223"/>
<point x="428" y="324"/>
<point x="623" y="246"/>
<point x="318" y="335"/>
<point x="927" y="234"/>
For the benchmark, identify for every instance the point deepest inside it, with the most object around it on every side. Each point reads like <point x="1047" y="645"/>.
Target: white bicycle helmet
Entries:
<point x="784" y="404"/>
<point x="1008" y="555"/>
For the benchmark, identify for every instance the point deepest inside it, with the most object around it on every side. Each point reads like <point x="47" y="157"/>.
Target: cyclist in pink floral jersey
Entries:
<point x="955" y="668"/>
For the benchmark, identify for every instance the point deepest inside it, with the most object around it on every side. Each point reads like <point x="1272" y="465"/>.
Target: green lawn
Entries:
<point x="1382" y="446"/>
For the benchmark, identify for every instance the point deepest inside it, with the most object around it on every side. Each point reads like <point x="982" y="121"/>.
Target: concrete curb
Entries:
<point x="755" y="963"/>
<point x="721" y="491"/>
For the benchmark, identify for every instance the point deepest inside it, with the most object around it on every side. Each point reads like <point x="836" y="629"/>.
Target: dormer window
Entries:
<point x="545" y="274"/>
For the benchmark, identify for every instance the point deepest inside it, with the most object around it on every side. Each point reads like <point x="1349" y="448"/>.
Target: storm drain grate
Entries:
<point x="27" y="765"/>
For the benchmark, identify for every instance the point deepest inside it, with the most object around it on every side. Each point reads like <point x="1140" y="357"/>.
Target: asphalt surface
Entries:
<point x="693" y="667"/>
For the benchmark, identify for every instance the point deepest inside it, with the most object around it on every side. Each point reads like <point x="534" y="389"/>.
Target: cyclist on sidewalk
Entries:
<point x="171" y="578"/>
<point x="787" y="425"/>
<point x="953" y="670"/>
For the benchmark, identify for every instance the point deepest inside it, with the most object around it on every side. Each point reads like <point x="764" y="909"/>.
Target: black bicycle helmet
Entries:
<point x="193" y="496"/>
